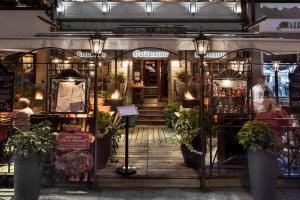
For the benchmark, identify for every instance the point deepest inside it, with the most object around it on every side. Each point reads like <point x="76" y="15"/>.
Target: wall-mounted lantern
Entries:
<point x="104" y="7"/>
<point x="149" y="7"/>
<point x="193" y="7"/>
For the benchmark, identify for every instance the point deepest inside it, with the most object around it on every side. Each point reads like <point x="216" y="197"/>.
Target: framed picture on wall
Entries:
<point x="68" y="95"/>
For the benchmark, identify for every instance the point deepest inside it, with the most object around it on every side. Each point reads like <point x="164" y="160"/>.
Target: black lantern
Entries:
<point x="201" y="45"/>
<point x="96" y="44"/>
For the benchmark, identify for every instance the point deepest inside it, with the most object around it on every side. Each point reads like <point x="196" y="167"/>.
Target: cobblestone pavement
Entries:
<point x="158" y="194"/>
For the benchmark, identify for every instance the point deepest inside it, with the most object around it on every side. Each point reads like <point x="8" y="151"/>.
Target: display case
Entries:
<point x="228" y="93"/>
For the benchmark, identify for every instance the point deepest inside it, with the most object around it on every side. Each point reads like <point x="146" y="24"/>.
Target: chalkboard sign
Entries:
<point x="6" y="90"/>
<point x="294" y="88"/>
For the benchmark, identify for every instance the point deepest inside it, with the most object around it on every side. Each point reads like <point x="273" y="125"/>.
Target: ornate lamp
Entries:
<point x="276" y="66"/>
<point x="201" y="46"/>
<point x="96" y="44"/>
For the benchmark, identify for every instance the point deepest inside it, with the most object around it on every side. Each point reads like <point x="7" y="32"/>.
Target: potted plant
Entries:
<point x="170" y="110"/>
<point x="183" y="76"/>
<point x="187" y="126"/>
<point x="258" y="140"/>
<point x="107" y="135"/>
<point x="30" y="147"/>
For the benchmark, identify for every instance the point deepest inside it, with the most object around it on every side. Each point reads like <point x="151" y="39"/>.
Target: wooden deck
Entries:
<point x="155" y="151"/>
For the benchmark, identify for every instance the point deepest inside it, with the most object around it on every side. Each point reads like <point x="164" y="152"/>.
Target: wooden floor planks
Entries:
<point x="155" y="151"/>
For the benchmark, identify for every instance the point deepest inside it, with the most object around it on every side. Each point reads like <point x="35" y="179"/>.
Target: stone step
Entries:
<point x="150" y="93"/>
<point x="150" y="122"/>
<point x="150" y="96"/>
<point x="150" y="108"/>
<point x="151" y="117"/>
<point x="151" y="112"/>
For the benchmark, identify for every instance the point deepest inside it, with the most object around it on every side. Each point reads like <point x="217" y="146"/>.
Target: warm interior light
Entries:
<point x="56" y="60"/>
<point x="125" y="63"/>
<point x="175" y="63"/>
<point x="227" y="83"/>
<point x="39" y="95"/>
<point x="116" y="95"/>
<point x="188" y="95"/>
<point x="237" y="65"/>
<point x="92" y="74"/>
<point x="27" y="59"/>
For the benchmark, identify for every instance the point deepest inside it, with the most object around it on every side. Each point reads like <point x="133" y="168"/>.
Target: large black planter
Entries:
<point x="263" y="175"/>
<point x="190" y="159"/>
<point x="104" y="149"/>
<point x="27" y="178"/>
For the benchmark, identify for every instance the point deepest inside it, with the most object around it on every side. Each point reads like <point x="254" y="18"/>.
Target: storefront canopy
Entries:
<point x="173" y="44"/>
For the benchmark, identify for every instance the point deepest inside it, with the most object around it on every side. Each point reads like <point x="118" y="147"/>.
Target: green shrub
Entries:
<point x="169" y="110"/>
<point x="187" y="126"/>
<point x="255" y="135"/>
<point x="103" y="122"/>
<point x="183" y="76"/>
<point x="35" y="139"/>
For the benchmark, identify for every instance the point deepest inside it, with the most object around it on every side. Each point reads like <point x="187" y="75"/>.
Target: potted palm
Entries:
<point x="108" y="134"/>
<point x="187" y="126"/>
<point x="258" y="140"/>
<point x="30" y="147"/>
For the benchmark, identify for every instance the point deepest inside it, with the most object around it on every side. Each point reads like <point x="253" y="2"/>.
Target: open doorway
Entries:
<point x="155" y="76"/>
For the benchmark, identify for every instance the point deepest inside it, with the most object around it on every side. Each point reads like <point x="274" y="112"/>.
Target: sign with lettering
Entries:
<point x="6" y="90"/>
<point x="280" y="25"/>
<point x="73" y="141"/>
<point x="294" y="92"/>
<point x="150" y="54"/>
<point x="88" y="54"/>
<point x="213" y="55"/>
<point x="127" y="110"/>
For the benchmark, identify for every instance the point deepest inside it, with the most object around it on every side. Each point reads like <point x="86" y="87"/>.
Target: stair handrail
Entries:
<point x="176" y="91"/>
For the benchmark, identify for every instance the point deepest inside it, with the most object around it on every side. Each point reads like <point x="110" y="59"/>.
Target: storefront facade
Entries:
<point x="147" y="56"/>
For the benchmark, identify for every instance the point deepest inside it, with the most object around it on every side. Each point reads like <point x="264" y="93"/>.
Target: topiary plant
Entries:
<point x="169" y="110"/>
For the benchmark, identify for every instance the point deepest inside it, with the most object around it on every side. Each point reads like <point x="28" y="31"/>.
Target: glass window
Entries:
<point x="283" y="79"/>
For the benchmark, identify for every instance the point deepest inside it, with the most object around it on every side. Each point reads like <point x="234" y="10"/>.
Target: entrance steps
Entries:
<point x="150" y="115"/>
<point x="151" y="92"/>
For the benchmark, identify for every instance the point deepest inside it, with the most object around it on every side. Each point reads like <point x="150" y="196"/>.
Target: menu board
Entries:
<point x="6" y="90"/>
<point x="295" y="91"/>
